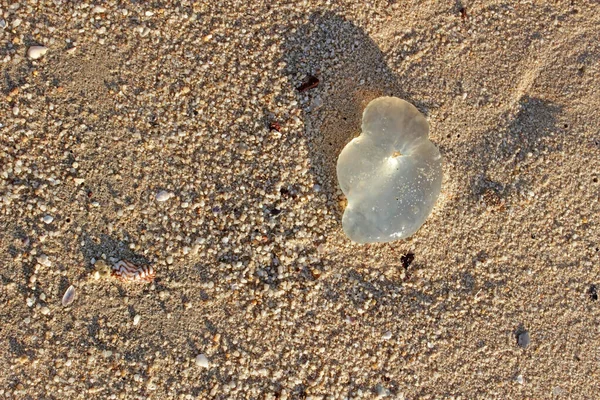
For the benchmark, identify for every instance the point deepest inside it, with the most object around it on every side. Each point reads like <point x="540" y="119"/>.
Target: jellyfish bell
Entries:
<point x="391" y="174"/>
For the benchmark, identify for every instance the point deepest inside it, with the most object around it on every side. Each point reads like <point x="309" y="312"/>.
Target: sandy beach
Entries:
<point x="177" y="136"/>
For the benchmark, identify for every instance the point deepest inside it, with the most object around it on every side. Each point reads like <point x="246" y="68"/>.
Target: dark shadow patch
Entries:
<point x="348" y="81"/>
<point x="532" y="130"/>
<point x="16" y="347"/>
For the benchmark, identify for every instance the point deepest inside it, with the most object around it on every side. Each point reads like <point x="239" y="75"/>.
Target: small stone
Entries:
<point x="136" y="319"/>
<point x="45" y="310"/>
<point x="44" y="260"/>
<point x="78" y="181"/>
<point x="169" y="260"/>
<point x="519" y="379"/>
<point x="523" y="339"/>
<point x="48" y="219"/>
<point x="101" y="269"/>
<point x="98" y="10"/>
<point x="202" y="361"/>
<point x="36" y="52"/>
<point x="557" y="391"/>
<point x="163" y="195"/>
<point x="15" y="110"/>
<point x="382" y="391"/>
<point x="387" y="335"/>
<point x="30" y="301"/>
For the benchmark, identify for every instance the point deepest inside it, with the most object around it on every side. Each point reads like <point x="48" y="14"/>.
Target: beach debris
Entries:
<point x="129" y="272"/>
<point x="275" y="126"/>
<point x="69" y="296"/>
<point x="593" y="293"/>
<point x="36" y="52"/>
<point x="310" y="82"/>
<point x="163" y="195"/>
<point x="202" y="361"/>
<point x="391" y="174"/>
<point x="407" y="259"/>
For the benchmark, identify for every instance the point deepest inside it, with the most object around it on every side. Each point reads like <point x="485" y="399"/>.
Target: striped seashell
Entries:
<point x="129" y="272"/>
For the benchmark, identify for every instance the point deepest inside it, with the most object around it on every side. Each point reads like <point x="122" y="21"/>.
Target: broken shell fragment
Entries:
<point x="129" y="272"/>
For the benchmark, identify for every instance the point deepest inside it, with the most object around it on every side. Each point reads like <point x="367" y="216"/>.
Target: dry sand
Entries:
<point x="253" y="270"/>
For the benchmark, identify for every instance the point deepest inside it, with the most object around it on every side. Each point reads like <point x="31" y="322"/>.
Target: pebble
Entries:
<point x="387" y="335"/>
<point x="136" y="319"/>
<point x="30" y="301"/>
<point x="523" y="339"/>
<point x="45" y="310"/>
<point x="202" y="361"/>
<point x="48" y="219"/>
<point x="169" y="260"/>
<point x="78" y="181"/>
<point x="382" y="391"/>
<point x="36" y="52"/>
<point x="69" y="296"/>
<point x="519" y="379"/>
<point x="163" y="195"/>
<point x="44" y="260"/>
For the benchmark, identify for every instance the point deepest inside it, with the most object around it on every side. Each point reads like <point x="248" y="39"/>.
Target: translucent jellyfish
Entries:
<point x="391" y="174"/>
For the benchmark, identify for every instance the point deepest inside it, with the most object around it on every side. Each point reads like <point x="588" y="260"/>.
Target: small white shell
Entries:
<point x="163" y="195"/>
<point x="36" y="52"/>
<point x="69" y="296"/>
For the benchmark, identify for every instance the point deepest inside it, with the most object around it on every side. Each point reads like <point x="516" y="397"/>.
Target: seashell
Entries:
<point x="69" y="296"/>
<point x="129" y="272"/>
<point x="163" y="195"/>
